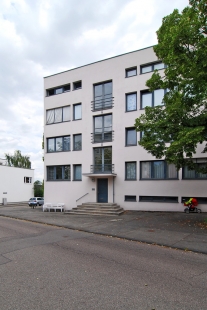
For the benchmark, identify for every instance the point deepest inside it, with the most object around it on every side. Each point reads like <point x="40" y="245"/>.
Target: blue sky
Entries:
<point x="43" y="37"/>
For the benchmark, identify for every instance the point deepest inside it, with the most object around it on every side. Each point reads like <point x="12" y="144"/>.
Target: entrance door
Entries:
<point x="102" y="190"/>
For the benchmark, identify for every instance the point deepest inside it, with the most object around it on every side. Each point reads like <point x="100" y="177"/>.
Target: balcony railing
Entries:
<point x="102" y="104"/>
<point x="99" y="137"/>
<point x="105" y="168"/>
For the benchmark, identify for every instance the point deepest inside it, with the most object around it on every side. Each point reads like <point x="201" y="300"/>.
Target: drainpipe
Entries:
<point x="113" y="189"/>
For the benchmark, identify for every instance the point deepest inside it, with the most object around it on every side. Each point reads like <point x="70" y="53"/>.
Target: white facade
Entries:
<point x="130" y="182"/>
<point x="16" y="184"/>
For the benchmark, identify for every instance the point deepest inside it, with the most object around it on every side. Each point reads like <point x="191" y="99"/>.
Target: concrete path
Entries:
<point x="177" y="230"/>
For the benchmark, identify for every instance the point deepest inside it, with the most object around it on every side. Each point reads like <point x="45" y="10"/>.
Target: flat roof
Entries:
<point x="99" y="61"/>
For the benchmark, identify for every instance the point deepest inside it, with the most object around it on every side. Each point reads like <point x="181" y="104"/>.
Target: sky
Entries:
<point x="42" y="37"/>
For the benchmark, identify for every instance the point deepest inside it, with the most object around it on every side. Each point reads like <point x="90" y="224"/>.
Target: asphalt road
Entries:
<point x="46" y="267"/>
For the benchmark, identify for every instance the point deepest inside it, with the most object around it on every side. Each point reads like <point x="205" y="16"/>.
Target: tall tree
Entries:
<point x="18" y="160"/>
<point x="173" y="131"/>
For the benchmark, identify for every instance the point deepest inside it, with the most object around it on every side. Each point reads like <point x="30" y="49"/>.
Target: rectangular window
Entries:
<point x="156" y="170"/>
<point x="58" y="90"/>
<point x="170" y="199"/>
<point x="192" y="174"/>
<point x="102" y="96"/>
<point x="152" y="67"/>
<point x="130" y="171"/>
<point x="152" y="99"/>
<point x="27" y="180"/>
<point x="131" y="102"/>
<point x="102" y="160"/>
<point x="77" y="172"/>
<point x="130" y="198"/>
<point x="60" y="173"/>
<point x="77" y="113"/>
<point x="201" y="200"/>
<point x="102" y="128"/>
<point x="58" y="144"/>
<point x="77" y="142"/>
<point x="77" y="85"/>
<point x="131" y="137"/>
<point x="131" y="72"/>
<point x="58" y="115"/>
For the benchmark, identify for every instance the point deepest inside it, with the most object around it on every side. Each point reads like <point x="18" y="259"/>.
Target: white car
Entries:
<point x="36" y="201"/>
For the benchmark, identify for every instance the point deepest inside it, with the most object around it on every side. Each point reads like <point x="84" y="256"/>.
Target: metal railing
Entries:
<point x="82" y="197"/>
<point x="102" y="104"/>
<point x="105" y="136"/>
<point x="104" y="168"/>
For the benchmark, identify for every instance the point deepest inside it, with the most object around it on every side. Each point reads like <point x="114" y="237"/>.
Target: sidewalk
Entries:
<point x="176" y="230"/>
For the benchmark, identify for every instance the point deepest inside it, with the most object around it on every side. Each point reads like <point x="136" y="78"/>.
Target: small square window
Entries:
<point x="77" y="113"/>
<point x="131" y="72"/>
<point x="77" y="172"/>
<point x="131" y="102"/>
<point x="77" y="85"/>
<point x="77" y="142"/>
<point x="131" y="137"/>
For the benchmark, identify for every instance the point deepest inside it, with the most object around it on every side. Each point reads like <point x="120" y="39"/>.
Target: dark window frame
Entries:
<point x="152" y="64"/>
<point x="158" y="199"/>
<point x="130" y="179"/>
<point x="77" y="85"/>
<point x="126" y="140"/>
<point x="126" y="104"/>
<point x="55" y="173"/>
<point x="62" y="116"/>
<point x="55" y="151"/>
<point x="196" y="173"/>
<point x="142" y="92"/>
<point x="152" y="170"/>
<point x="74" y="172"/>
<point x="103" y="133"/>
<point x="74" y="143"/>
<point x="129" y="70"/>
<point x="201" y="200"/>
<point x="106" y="102"/>
<point x="130" y="198"/>
<point x="52" y="90"/>
<point x="74" y="107"/>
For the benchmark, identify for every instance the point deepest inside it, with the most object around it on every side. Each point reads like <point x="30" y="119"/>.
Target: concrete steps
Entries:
<point x="106" y="209"/>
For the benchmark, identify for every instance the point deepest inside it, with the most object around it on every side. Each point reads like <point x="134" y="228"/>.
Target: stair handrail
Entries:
<point x="82" y="197"/>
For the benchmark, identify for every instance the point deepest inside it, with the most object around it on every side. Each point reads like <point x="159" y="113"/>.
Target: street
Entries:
<point x="49" y="267"/>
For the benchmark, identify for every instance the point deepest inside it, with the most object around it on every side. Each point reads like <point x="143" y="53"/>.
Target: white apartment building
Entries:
<point x="91" y="149"/>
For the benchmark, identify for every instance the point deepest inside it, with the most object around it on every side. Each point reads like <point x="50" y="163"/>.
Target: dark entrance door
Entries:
<point x="102" y="190"/>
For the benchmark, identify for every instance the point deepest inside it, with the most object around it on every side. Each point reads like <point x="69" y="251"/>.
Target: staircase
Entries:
<point x="91" y="208"/>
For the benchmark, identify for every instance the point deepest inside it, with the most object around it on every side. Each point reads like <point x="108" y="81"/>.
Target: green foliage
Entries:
<point x="38" y="189"/>
<point x="18" y="160"/>
<point x="175" y="130"/>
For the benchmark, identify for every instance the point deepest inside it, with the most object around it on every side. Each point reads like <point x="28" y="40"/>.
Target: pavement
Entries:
<point x="177" y="230"/>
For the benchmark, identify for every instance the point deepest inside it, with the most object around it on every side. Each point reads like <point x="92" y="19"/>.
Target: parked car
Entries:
<point x="36" y="201"/>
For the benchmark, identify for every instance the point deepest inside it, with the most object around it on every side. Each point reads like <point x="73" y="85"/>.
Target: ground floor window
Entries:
<point x="60" y="173"/>
<point x="201" y="200"/>
<point x="130" y="198"/>
<point x="77" y="172"/>
<point x="158" y="169"/>
<point x="158" y="199"/>
<point x="192" y="174"/>
<point x="130" y="171"/>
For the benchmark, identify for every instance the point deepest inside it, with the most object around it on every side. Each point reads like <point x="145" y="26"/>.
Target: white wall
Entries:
<point x="12" y="184"/>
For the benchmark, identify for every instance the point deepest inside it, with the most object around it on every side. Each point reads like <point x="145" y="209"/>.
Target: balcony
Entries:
<point x="102" y="169"/>
<point x="102" y="104"/>
<point x="100" y="137"/>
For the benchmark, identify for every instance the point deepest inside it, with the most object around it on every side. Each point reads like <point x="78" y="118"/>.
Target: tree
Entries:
<point x="174" y="130"/>
<point x="38" y="188"/>
<point x="18" y="160"/>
